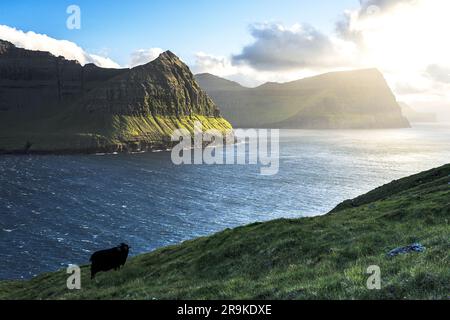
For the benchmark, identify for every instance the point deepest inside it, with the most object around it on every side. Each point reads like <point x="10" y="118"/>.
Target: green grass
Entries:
<point x="98" y="132"/>
<point x="323" y="257"/>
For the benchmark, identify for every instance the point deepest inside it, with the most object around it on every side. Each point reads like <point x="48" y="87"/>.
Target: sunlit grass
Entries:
<point x="99" y="132"/>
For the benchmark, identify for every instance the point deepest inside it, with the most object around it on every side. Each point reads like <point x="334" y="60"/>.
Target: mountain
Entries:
<point x="324" y="257"/>
<point x="415" y="116"/>
<point x="212" y="83"/>
<point x="50" y="104"/>
<point x="358" y="99"/>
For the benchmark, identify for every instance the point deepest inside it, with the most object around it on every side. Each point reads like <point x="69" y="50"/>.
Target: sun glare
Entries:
<point x="409" y="37"/>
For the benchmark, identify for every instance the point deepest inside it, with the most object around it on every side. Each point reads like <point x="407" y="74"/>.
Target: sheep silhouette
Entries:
<point x="110" y="259"/>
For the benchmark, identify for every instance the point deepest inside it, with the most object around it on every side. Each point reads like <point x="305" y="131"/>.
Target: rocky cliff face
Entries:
<point x="359" y="99"/>
<point x="35" y="79"/>
<point x="163" y="87"/>
<point x="50" y="104"/>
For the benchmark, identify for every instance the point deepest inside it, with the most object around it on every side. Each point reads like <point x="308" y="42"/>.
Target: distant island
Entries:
<point x="53" y="105"/>
<point x="359" y="99"/>
<point x="324" y="257"/>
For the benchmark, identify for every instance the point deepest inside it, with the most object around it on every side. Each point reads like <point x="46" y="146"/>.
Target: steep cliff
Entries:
<point x="50" y="104"/>
<point x="358" y="99"/>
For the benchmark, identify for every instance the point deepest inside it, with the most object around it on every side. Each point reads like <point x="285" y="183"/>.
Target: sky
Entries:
<point x="251" y="41"/>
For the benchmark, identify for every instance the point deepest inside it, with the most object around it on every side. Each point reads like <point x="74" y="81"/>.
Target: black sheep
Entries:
<point x="110" y="259"/>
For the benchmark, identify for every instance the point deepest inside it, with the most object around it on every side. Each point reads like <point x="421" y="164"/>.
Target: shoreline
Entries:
<point x="125" y="148"/>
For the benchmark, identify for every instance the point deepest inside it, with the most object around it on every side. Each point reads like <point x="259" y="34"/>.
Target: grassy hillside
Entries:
<point x="311" y="258"/>
<point x="101" y="132"/>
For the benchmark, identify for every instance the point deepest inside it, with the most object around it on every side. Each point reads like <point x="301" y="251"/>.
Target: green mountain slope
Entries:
<point x="310" y="258"/>
<point x="359" y="99"/>
<point x="50" y="104"/>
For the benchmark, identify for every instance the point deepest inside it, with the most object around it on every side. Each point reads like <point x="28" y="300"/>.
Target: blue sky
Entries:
<point x="186" y="27"/>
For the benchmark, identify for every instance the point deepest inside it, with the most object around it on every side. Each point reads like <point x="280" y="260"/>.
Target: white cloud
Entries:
<point x="103" y="62"/>
<point x="69" y="50"/>
<point x="217" y="65"/>
<point x="278" y="47"/>
<point x="143" y="56"/>
<point x="439" y="73"/>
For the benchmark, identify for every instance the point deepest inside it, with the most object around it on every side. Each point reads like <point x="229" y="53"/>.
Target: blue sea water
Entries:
<point x="57" y="210"/>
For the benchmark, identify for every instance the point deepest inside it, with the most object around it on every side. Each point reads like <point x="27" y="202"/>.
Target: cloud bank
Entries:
<point x="277" y="47"/>
<point x="69" y="50"/>
<point x="439" y="73"/>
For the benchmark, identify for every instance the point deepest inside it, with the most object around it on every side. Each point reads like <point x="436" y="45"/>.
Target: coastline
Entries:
<point x="120" y="134"/>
